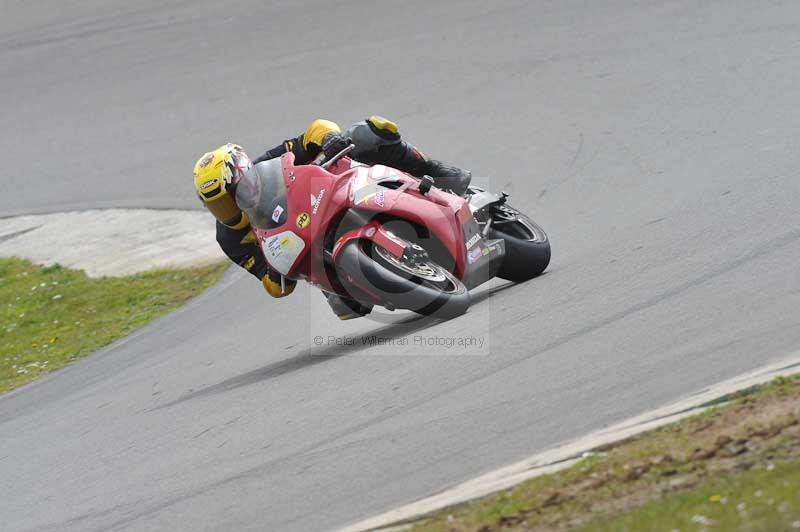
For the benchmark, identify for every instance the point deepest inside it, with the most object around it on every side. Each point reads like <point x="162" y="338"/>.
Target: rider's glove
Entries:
<point x="333" y="143"/>
<point x="277" y="285"/>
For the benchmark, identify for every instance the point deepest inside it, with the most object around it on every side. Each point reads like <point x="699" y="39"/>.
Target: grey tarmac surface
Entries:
<point x="655" y="141"/>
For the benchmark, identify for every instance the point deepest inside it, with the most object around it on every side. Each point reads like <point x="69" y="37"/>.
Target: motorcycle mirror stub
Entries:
<point x="425" y="184"/>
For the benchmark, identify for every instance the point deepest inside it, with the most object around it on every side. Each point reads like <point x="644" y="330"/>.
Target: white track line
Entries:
<point x="568" y="453"/>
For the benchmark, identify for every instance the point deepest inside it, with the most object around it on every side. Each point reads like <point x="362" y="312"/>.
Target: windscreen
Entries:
<point x="261" y="193"/>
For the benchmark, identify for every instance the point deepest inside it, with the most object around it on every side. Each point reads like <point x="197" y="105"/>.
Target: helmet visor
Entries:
<point x="224" y="208"/>
<point x="262" y="194"/>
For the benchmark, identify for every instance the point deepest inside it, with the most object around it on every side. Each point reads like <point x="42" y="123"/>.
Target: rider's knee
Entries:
<point x="372" y="134"/>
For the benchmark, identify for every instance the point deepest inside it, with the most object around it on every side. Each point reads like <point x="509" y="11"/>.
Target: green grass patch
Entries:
<point x="735" y="466"/>
<point x="757" y="500"/>
<point x="50" y="316"/>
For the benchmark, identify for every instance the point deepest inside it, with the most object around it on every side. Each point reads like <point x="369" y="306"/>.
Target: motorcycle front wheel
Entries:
<point x="421" y="286"/>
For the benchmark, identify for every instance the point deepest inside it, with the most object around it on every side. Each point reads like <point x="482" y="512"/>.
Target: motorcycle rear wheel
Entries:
<point x="527" y="245"/>
<point x="425" y="288"/>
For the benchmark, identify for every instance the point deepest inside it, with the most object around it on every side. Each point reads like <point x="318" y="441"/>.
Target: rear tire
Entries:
<point x="431" y="292"/>
<point x="527" y="247"/>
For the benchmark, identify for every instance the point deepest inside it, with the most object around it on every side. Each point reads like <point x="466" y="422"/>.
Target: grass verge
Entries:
<point x="50" y="316"/>
<point x="734" y="467"/>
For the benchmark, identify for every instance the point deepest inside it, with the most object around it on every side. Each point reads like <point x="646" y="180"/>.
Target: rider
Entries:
<point x="377" y="141"/>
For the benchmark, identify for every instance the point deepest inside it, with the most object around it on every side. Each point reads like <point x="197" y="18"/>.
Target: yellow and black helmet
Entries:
<point x="215" y="177"/>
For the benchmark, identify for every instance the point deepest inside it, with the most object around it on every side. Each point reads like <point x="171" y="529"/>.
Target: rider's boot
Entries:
<point x="407" y="158"/>
<point x="378" y="141"/>
<point x="448" y="177"/>
<point x="345" y="308"/>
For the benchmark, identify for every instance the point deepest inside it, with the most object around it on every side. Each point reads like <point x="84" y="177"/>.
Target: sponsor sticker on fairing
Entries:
<point x="380" y="198"/>
<point x="474" y="254"/>
<point x="316" y="201"/>
<point x="303" y="219"/>
<point x="282" y="250"/>
<point x="472" y="241"/>
<point x="276" y="214"/>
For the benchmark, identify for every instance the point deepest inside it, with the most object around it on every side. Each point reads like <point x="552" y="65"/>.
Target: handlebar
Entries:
<point x="320" y="159"/>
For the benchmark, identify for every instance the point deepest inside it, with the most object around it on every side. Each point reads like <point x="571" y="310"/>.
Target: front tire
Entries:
<point x="425" y="288"/>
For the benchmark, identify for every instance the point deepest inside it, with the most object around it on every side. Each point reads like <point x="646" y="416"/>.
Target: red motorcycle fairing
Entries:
<point x="443" y="214"/>
<point x="317" y="198"/>
<point x="374" y="232"/>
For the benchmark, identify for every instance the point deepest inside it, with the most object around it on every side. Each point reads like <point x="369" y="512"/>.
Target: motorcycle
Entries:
<point x="382" y="237"/>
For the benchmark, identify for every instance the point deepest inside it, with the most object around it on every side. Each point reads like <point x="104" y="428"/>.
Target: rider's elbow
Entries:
<point x="316" y="131"/>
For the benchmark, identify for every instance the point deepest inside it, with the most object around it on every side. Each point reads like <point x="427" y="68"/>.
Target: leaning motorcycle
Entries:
<point x="382" y="237"/>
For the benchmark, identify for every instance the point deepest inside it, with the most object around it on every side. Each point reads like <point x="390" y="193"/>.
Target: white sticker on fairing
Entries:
<point x="383" y="173"/>
<point x="282" y="250"/>
<point x="276" y="214"/>
<point x="377" y="171"/>
<point x="361" y="178"/>
<point x="472" y="241"/>
<point x="316" y="201"/>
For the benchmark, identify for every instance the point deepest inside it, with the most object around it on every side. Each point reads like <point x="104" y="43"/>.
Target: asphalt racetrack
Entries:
<point x="656" y="142"/>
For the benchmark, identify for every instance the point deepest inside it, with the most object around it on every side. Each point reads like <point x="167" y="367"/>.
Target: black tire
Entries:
<point x="360" y="264"/>
<point x="527" y="249"/>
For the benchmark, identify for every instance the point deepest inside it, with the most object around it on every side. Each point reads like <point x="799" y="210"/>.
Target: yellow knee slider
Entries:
<point x="383" y="127"/>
